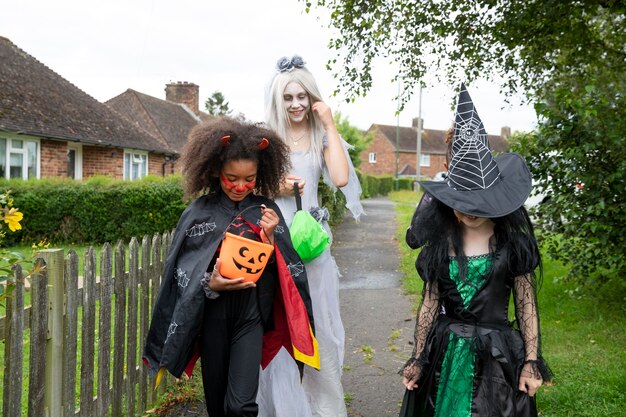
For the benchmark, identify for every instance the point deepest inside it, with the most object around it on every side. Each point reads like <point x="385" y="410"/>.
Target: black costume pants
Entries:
<point x="231" y="348"/>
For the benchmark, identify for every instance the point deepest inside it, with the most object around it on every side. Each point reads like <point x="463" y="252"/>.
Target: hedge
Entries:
<point x="94" y="211"/>
<point x="381" y="185"/>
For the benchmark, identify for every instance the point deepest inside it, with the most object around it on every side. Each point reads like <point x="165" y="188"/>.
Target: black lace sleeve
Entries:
<point x="527" y="315"/>
<point x="426" y="316"/>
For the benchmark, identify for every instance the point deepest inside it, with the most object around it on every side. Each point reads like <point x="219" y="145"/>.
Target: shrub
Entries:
<point x="96" y="210"/>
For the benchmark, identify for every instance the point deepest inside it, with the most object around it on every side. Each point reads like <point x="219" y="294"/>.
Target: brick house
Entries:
<point x="170" y="120"/>
<point x="380" y="156"/>
<point x="50" y="128"/>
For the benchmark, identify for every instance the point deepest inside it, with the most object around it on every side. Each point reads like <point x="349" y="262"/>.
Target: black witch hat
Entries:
<point x="479" y="184"/>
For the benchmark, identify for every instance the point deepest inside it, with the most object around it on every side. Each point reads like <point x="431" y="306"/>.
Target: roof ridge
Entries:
<point x="78" y="116"/>
<point x="21" y="51"/>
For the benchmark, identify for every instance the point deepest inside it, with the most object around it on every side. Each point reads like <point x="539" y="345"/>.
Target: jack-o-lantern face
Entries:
<point x="242" y="257"/>
<point x="250" y="261"/>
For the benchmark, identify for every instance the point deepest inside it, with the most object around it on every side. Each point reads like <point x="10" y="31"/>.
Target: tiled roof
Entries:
<point x="169" y="121"/>
<point x="407" y="170"/>
<point x="432" y="140"/>
<point x="35" y="100"/>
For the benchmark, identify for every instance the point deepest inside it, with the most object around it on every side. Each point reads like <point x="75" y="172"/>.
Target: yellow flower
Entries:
<point x="13" y="218"/>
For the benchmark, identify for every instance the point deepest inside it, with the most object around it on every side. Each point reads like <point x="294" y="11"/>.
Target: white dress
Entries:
<point x="320" y="394"/>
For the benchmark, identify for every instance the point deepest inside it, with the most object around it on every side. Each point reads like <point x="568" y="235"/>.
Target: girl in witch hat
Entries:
<point x="478" y="249"/>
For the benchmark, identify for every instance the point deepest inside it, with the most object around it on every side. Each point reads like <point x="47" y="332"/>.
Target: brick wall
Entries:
<point x="155" y="165"/>
<point x="386" y="159"/>
<point x="436" y="165"/>
<point x="103" y="161"/>
<point x="97" y="160"/>
<point x="184" y="93"/>
<point x="53" y="158"/>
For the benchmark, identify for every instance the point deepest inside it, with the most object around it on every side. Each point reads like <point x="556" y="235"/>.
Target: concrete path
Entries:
<point x="376" y="315"/>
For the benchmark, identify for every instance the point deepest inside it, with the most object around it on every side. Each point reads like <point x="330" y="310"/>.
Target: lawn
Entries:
<point x="583" y="336"/>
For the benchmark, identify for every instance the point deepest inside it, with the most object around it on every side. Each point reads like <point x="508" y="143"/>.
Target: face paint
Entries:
<point x="297" y="102"/>
<point x="238" y="179"/>
<point x="240" y="188"/>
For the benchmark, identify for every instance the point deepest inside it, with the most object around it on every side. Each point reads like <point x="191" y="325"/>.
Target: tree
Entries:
<point x="354" y="136"/>
<point x="216" y="105"/>
<point x="578" y="157"/>
<point x="524" y="41"/>
<point x="567" y="56"/>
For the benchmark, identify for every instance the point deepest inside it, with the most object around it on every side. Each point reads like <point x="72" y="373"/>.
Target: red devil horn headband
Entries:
<point x="263" y="143"/>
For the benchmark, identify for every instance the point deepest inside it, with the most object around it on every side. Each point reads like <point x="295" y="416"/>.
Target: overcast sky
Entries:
<point x="232" y="46"/>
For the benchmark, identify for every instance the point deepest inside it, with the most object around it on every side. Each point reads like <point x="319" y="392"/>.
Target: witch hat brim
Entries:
<point x="504" y="197"/>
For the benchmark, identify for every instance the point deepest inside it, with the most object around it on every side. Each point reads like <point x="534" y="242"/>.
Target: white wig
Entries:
<point x="276" y="113"/>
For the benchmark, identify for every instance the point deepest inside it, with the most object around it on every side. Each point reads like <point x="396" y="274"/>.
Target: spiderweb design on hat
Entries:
<point x="472" y="166"/>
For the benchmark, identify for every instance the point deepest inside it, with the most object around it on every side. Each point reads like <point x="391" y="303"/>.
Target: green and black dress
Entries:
<point x="470" y="354"/>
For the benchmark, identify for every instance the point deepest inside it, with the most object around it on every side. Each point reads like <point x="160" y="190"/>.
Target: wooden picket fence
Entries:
<point x="100" y="319"/>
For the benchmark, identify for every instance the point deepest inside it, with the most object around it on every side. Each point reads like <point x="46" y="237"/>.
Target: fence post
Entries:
<point x="54" y="343"/>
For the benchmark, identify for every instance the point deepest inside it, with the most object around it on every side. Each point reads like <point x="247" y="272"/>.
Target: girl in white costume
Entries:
<point x="297" y="113"/>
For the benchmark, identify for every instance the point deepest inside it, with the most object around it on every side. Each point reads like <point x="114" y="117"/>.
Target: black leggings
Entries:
<point x="232" y="336"/>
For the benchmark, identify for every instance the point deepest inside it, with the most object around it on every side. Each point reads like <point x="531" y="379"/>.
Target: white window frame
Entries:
<point x="9" y="138"/>
<point x="425" y="160"/>
<point x="133" y="154"/>
<point x="78" y="158"/>
<point x="372" y="157"/>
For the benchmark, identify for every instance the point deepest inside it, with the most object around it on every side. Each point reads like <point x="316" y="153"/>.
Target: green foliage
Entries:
<point x="335" y="203"/>
<point x="405" y="183"/>
<point x="578" y="157"/>
<point x="10" y="217"/>
<point x="184" y="392"/>
<point x="386" y="185"/>
<point x="217" y="105"/>
<point x="523" y="41"/>
<point x="354" y="136"/>
<point x="95" y="211"/>
<point x="369" y="185"/>
<point x="8" y="259"/>
<point x="373" y="186"/>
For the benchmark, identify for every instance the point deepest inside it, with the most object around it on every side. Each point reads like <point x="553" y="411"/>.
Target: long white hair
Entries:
<point x="276" y="115"/>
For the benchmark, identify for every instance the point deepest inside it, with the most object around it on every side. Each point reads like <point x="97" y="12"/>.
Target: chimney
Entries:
<point x="184" y="93"/>
<point x="415" y="120"/>
<point x="505" y="132"/>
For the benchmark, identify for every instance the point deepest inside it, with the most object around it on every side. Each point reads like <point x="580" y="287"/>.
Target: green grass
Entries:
<point x="368" y="353"/>
<point x="584" y="337"/>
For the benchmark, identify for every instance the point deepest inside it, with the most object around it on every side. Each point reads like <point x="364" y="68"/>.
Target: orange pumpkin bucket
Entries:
<point x="243" y="257"/>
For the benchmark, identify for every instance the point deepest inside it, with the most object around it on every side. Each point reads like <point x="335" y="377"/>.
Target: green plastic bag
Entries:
<point x="308" y="236"/>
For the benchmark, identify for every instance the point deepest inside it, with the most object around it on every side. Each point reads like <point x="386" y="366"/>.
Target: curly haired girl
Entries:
<point x="233" y="324"/>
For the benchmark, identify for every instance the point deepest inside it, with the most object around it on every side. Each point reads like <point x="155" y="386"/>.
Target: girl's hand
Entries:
<point x="410" y="376"/>
<point x="218" y="283"/>
<point x="334" y="156"/>
<point x="287" y="186"/>
<point x="410" y="384"/>
<point x="528" y="383"/>
<point x="324" y="113"/>
<point x="269" y="221"/>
